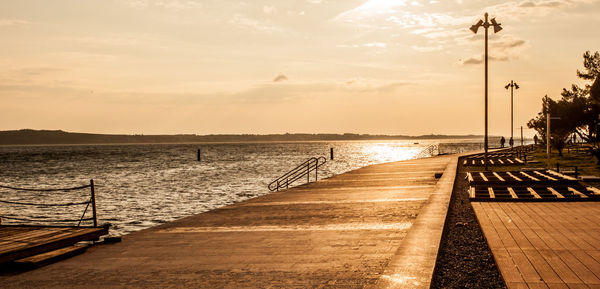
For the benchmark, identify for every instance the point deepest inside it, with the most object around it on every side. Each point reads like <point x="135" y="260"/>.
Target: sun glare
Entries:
<point x="389" y="152"/>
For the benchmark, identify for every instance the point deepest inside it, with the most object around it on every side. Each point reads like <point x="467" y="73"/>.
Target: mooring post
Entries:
<point x="576" y="172"/>
<point x="93" y="202"/>
<point x="199" y="155"/>
<point x="331" y="153"/>
<point x="557" y="167"/>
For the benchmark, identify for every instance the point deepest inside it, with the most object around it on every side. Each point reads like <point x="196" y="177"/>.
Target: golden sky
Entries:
<point x="314" y="66"/>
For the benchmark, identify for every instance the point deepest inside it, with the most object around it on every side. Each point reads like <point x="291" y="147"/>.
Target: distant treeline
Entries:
<point x="29" y="137"/>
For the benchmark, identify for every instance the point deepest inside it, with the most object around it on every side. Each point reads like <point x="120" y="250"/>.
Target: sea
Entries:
<point x="138" y="186"/>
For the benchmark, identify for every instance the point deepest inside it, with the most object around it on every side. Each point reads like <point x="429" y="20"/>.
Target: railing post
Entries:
<point x="317" y="171"/>
<point x="93" y="202"/>
<point x="308" y="172"/>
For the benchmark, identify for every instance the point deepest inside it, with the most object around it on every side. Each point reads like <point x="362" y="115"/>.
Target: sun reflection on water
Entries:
<point x="389" y="152"/>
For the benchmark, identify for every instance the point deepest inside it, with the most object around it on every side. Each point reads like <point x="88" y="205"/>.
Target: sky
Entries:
<point x="285" y="66"/>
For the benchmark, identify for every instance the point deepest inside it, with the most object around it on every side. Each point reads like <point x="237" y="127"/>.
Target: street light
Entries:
<point x="497" y="28"/>
<point x="512" y="85"/>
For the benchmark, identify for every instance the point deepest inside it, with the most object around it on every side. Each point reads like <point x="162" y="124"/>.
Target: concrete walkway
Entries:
<point x="378" y="226"/>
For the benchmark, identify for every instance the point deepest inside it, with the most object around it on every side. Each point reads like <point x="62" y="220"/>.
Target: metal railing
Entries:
<point x="299" y="172"/>
<point x="90" y="202"/>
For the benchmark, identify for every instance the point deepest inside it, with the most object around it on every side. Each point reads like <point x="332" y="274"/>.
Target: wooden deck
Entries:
<point x="17" y="242"/>
<point x="544" y="245"/>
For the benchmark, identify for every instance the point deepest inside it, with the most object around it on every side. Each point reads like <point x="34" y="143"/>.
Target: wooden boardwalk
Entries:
<point x="544" y="245"/>
<point x="379" y="226"/>
<point x="17" y="242"/>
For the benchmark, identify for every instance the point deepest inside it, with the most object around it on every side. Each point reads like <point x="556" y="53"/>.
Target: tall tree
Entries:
<point x="566" y="119"/>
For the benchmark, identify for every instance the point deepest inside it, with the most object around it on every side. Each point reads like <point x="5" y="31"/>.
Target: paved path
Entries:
<point x="544" y="245"/>
<point x="339" y="232"/>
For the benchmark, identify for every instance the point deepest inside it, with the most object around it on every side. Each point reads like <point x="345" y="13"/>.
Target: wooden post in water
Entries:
<point x="93" y="202"/>
<point x="548" y="138"/>
<point x="199" y="155"/>
<point x="521" y="135"/>
<point x="331" y="153"/>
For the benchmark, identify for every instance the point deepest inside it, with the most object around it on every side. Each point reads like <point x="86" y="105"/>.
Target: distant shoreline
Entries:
<point x="59" y="137"/>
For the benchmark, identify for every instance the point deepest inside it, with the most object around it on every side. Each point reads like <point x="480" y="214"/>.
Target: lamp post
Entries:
<point x="548" y="133"/>
<point x="512" y="85"/>
<point x="486" y="24"/>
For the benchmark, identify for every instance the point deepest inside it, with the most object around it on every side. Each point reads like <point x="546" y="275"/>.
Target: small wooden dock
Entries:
<point x="18" y="242"/>
<point x="544" y="245"/>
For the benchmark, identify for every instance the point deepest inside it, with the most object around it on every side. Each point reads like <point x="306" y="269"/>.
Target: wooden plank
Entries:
<point x="490" y="233"/>
<point x="508" y="269"/>
<point x="25" y="235"/>
<point x="566" y="177"/>
<point x="556" y="193"/>
<point x="512" y="193"/>
<point x="530" y="176"/>
<point x="498" y="176"/>
<point x="483" y="177"/>
<point x="511" y="226"/>
<point x="545" y="176"/>
<point x="469" y="177"/>
<point x="514" y="177"/>
<point x="562" y="269"/>
<point x="589" y="262"/>
<point x="537" y="285"/>
<point x="54" y="243"/>
<point x="525" y="228"/>
<point x="37" y="240"/>
<point x="530" y="275"/>
<point x="578" y="267"/>
<point x="505" y="236"/>
<point x="553" y="239"/>
<point x="555" y="226"/>
<point x="595" y="191"/>
<point x="580" y="216"/>
<point x="572" y="224"/>
<point x="491" y="192"/>
<point x="576" y="192"/>
<point x="534" y="193"/>
<point x="50" y="257"/>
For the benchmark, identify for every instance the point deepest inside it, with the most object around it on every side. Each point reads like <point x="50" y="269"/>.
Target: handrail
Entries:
<point x="298" y="172"/>
<point x="90" y="201"/>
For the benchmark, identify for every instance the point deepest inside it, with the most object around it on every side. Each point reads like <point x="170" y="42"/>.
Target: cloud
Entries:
<point x="244" y="22"/>
<point x="12" y="22"/>
<point x="427" y="48"/>
<point x="168" y="4"/>
<point x="479" y="59"/>
<point x="267" y="9"/>
<point x="380" y="45"/>
<point x="280" y="78"/>
<point x="503" y="48"/>
<point x="534" y="9"/>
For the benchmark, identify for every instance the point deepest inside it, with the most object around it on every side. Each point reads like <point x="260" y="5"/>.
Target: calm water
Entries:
<point x="139" y="186"/>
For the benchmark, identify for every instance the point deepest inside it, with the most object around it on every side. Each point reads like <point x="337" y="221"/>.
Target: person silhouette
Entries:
<point x="502" y="141"/>
<point x="511" y="142"/>
<point x="535" y="139"/>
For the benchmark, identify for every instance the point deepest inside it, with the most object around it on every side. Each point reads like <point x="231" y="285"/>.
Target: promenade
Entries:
<point x="375" y="227"/>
